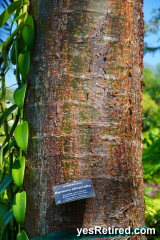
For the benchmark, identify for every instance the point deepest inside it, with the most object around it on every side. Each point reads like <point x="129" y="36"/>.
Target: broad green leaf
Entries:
<point x="21" y="135"/>
<point x="8" y="12"/>
<point x="8" y="147"/>
<point x="5" y="183"/>
<point x="28" y="33"/>
<point x="18" y="171"/>
<point x="13" y="53"/>
<point x="19" y="95"/>
<point x="19" y="207"/>
<point x="21" y="44"/>
<point x="19" y="17"/>
<point x="4" y="208"/>
<point x="22" y="236"/>
<point x="1" y="158"/>
<point x="7" y="113"/>
<point x="23" y="64"/>
<point x="6" y="219"/>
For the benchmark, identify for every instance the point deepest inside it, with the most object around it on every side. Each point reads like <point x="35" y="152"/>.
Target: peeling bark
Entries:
<point x="83" y="106"/>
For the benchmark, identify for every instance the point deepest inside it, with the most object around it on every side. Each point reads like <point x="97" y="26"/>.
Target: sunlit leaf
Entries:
<point x="19" y="95"/>
<point x="25" y="2"/>
<point x="21" y="135"/>
<point x="19" y="207"/>
<point x="7" y="113"/>
<point x="8" y="12"/>
<point x="28" y="33"/>
<point x="18" y="171"/>
<point x="149" y="202"/>
<point x="23" y="64"/>
<point x="22" y="236"/>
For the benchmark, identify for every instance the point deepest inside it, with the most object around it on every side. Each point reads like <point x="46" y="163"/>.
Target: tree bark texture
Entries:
<point x="83" y="105"/>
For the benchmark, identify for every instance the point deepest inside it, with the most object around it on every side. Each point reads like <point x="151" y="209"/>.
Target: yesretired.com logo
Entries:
<point x="111" y="231"/>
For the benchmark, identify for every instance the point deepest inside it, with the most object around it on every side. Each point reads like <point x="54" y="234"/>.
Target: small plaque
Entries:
<point x="73" y="191"/>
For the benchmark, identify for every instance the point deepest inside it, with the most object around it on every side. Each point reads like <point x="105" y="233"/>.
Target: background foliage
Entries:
<point x="151" y="153"/>
<point x="15" y="51"/>
<point x="151" y="132"/>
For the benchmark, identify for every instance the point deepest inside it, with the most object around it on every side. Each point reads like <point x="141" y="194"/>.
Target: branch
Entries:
<point x="151" y="49"/>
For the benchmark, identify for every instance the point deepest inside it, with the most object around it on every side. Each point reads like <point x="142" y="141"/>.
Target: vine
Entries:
<point x="16" y="49"/>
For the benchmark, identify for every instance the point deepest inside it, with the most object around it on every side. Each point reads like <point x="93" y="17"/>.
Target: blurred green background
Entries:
<point x="151" y="152"/>
<point x="151" y="116"/>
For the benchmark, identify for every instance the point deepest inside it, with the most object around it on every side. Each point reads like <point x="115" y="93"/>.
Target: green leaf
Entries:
<point x="8" y="12"/>
<point x="23" y="64"/>
<point x="22" y="236"/>
<point x="28" y="33"/>
<point x="19" y="17"/>
<point x="13" y="53"/>
<point x="21" y="135"/>
<point x="7" y="113"/>
<point x="149" y="202"/>
<point x="25" y="2"/>
<point x="18" y="171"/>
<point x="4" y="208"/>
<point x="151" y="160"/>
<point x="19" y="207"/>
<point x="1" y="158"/>
<point x="154" y="148"/>
<point x="6" y="219"/>
<point x="8" y="147"/>
<point x="19" y="95"/>
<point x="6" y="181"/>
<point x="21" y="44"/>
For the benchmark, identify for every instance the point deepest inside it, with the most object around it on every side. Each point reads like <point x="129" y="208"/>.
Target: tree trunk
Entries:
<point x="83" y="106"/>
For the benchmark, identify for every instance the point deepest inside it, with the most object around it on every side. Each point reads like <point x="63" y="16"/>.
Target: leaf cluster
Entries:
<point x="151" y="154"/>
<point x="16" y="49"/>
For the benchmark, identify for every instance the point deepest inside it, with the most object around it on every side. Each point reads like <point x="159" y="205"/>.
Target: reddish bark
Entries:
<point x="84" y="110"/>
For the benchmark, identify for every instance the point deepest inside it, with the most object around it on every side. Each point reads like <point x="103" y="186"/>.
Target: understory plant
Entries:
<point x="14" y="51"/>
